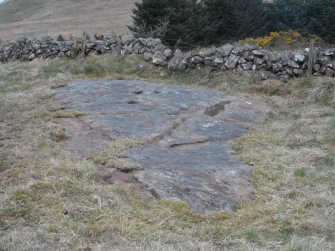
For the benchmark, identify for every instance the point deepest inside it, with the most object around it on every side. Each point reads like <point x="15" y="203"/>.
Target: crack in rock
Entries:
<point x="217" y="108"/>
<point x="193" y="143"/>
<point x="166" y="132"/>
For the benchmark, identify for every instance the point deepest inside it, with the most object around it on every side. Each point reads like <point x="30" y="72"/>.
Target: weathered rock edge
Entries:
<point x="186" y="133"/>
<point x="269" y="64"/>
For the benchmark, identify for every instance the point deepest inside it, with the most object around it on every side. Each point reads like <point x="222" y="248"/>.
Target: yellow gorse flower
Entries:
<point x="276" y="38"/>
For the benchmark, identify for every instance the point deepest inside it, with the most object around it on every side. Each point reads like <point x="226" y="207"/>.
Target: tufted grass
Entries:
<point x="50" y="200"/>
<point x="324" y="91"/>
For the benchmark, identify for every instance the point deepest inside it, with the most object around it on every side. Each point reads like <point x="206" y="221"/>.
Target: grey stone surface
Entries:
<point x="232" y="61"/>
<point x="206" y="52"/>
<point x="167" y="53"/>
<point x="159" y="58"/>
<point x="127" y="39"/>
<point x="196" y="60"/>
<point x="329" y="52"/>
<point x="329" y="72"/>
<point x="147" y="56"/>
<point x="259" y="61"/>
<point x="260" y="53"/>
<point x="293" y="64"/>
<point x="218" y="60"/>
<point x="267" y="75"/>
<point x="176" y="61"/>
<point x="299" y="57"/>
<point x="284" y="78"/>
<point x="150" y="42"/>
<point x="187" y="132"/>
<point x="277" y="67"/>
<point x="225" y="50"/>
<point x="247" y="66"/>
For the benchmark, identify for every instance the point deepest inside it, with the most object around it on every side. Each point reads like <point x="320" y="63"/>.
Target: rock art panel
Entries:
<point x="186" y="133"/>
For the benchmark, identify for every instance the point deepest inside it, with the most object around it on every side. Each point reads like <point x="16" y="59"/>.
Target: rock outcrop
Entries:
<point x="185" y="133"/>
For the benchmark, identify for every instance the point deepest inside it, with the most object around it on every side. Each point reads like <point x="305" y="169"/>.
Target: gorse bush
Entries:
<point x="279" y="38"/>
<point x="208" y="22"/>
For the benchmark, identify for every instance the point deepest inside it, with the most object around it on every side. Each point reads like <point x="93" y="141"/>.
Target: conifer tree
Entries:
<point x="207" y="22"/>
<point x="321" y="21"/>
<point x="147" y="16"/>
<point x="288" y="14"/>
<point x="180" y="19"/>
<point x="236" y="19"/>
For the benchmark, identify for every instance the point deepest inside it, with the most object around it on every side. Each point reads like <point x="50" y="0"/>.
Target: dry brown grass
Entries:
<point x="62" y="114"/>
<point x="45" y="17"/>
<point x="49" y="200"/>
<point x="111" y="156"/>
<point x="324" y="91"/>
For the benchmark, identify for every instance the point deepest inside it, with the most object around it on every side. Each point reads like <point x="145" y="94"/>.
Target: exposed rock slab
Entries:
<point x="186" y="130"/>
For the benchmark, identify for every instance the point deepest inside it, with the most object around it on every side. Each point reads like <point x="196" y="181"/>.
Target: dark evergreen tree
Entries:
<point x="148" y="15"/>
<point x="288" y="14"/>
<point x="321" y="14"/>
<point x="306" y="16"/>
<point x="185" y="22"/>
<point x="236" y="19"/>
<point x="170" y="20"/>
<point x="209" y="22"/>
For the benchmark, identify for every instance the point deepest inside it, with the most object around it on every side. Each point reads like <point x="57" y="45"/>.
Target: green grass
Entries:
<point x="133" y="67"/>
<point x="15" y="81"/>
<point x="52" y="200"/>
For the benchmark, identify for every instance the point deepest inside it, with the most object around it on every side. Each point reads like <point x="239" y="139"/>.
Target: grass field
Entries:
<point x="46" y="17"/>
<point x="49" y="200"/>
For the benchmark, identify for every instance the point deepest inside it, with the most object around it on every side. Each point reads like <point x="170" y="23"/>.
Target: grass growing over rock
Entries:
<point x="49" y="200"/>
<point x="111" y="156"/>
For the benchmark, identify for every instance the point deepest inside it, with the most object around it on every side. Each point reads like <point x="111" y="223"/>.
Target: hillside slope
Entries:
<point x="47" y="17"/>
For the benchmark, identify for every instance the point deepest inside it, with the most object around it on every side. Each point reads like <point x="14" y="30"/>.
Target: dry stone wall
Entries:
<point x="270" y="64"/>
